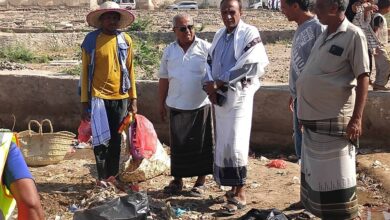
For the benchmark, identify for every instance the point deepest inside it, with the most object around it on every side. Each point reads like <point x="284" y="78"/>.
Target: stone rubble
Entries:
<point x="7" y="65"/>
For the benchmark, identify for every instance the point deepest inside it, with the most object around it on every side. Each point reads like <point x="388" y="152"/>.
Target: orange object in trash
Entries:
<point x="125" y="122"/>
<point x="280" y="164"/>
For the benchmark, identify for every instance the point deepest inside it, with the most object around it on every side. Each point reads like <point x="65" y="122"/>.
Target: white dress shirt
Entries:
<point x="185" y="71"/>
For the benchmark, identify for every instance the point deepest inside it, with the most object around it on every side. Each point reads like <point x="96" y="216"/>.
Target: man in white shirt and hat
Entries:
<point x="183" y="66"/>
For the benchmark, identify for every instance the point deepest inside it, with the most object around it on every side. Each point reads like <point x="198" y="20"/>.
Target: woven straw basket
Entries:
<point x="40" y="149"/>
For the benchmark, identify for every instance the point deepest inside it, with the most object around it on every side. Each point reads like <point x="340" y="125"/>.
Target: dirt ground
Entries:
<point x="70" y="182"/>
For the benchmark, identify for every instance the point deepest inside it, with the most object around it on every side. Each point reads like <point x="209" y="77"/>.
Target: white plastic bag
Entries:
<point x="133" y="171"/>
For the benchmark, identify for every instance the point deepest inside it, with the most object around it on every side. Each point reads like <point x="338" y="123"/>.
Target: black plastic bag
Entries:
<point x="269" y="214"/>
<point x="133" y="206"/>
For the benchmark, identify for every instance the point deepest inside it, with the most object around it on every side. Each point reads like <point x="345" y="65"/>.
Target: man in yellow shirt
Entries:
<point x="108" y="88"/>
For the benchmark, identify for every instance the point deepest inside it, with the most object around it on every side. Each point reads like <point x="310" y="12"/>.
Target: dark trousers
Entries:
<point x="107" y="157"/>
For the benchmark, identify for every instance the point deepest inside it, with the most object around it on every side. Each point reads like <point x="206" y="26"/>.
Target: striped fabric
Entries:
<point x="192" y="147"/>
<point x="328" y="176"/>
<point x="333" y="127"/>
<point x="364" y="24"/>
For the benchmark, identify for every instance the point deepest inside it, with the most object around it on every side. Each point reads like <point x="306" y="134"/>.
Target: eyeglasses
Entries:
<point x="184" y="28"/>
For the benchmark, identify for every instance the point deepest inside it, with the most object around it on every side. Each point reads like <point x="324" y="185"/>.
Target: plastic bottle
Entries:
<point x="125" y="122"/>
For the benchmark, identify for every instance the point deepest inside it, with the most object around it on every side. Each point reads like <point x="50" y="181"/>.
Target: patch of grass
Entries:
<point x="42" y="59"/>
<point x="16" y="53"/>
<point x="74" y="70"/>
<point x="140" y="25"/>
<point x="21" y="54"/>
<point x="147" y="55"/>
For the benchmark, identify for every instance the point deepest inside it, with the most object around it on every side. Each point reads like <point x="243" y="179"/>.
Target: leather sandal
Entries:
<point x="224" y="198"/>
<point x="232" y="207"/>
<point x="198" y="191"/>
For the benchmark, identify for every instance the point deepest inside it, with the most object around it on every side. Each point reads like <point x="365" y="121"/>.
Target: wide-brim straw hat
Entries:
<point x="126" y="19"/>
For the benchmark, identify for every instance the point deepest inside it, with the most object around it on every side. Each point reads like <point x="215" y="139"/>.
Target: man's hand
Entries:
<point x="85" y="114"/>
<point x="163" y="112"/>
<point x="219" y="84"/>
<point x="368" y="7"/>
<point x="210" y="88"/>
<point x="354" y="128"/>
<point x="132" y="106"/>
<point x="291" y="104"/>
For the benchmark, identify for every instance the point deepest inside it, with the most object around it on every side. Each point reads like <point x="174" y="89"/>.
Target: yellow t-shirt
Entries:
<point x="106" y="82"/>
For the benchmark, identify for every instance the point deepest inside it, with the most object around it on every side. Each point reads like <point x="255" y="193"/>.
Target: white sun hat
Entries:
<point x="126" y="16"/>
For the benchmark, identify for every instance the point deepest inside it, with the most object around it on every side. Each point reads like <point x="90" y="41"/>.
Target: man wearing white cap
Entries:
<point x="107" y="82"/>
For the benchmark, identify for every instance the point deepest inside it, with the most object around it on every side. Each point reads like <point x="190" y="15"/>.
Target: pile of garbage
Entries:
<point x="100" y="195"/>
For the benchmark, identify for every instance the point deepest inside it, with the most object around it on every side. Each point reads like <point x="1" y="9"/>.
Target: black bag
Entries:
<point x="133" y="206"/>
<point x="269" y="214"/>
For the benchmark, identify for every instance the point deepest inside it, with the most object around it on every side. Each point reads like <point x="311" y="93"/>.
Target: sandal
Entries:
<point x="232" y="206"/>
<point x="295" y="206"/>
<point x="224" y="198"/>
<point x="198" y="191"/>
<point x="174" y="187"/>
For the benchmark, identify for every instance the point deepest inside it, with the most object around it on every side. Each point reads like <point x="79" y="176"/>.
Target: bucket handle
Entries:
<point x="50" y="125"/>
<point x="34" y="122"/>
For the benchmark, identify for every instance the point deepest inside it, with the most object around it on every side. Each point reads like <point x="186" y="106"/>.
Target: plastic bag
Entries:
<point x="269" y="214"/>
<point x="85" y="131"/>
<point x="143" y="138"/>
<point x="280" y="164"/>
<point x="134" y="171"/>
<point x="133" y="206"/>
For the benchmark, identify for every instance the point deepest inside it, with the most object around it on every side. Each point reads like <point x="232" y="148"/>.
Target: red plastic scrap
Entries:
<point x="280" y="164"/>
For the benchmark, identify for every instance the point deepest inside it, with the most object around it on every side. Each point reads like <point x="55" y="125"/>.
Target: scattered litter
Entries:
<point x="169" y="212"/>
<point x="135" y="188"/>
<point x="282" y="173"/>
<point x="179" y="212"/>
<point x="377" y="164"/>
<point x="83" y="145"/>
<point x="264" y="159"/>
<point x="296" y="180"/>
<point x="280" y="164"/>
<point x="223" y="188"/>
<point x="73" y="208"/>
<point x="254" y="185"/>
<point x="57" y="217"/>
<point x="377" y="213"/>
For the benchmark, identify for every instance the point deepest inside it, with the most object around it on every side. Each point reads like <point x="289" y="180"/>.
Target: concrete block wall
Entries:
<point x="30" y="95"/>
